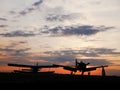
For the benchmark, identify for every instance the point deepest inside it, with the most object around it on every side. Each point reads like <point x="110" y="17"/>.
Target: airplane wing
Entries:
<point x="34" y="68"/>
<point x="31" y="66"/>
<point x="71" y="68"/>
<point x="94" y="68"/>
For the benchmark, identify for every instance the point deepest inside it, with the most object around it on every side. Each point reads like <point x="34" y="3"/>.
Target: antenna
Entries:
<point x="76" y="62"/>
<point x="103" y="70"/>
<point x="37" y="64"/>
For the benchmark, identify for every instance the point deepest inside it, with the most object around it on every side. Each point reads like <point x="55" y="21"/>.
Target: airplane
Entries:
<point x="31" y="68"/>
<point x="82" y="67"/>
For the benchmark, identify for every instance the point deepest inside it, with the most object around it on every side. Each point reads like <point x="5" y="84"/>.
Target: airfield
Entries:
<point x="52" y="78"/>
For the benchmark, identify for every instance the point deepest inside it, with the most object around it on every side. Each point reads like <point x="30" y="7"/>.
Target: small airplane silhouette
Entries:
<point x="82" y="67"/>
<point x="32" y="68"/>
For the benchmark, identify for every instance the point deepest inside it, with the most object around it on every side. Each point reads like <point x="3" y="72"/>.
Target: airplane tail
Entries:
<point x="76" y="62"/>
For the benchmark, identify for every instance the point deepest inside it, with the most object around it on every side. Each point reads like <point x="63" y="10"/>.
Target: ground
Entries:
<point x="51" y="79"/>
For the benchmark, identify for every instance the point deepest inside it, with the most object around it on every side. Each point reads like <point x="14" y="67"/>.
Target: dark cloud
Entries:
<point x="38" y="3"/>
<point x="62" y="17"/>
<point x="31" y="8"/>
<point x="15" y="53"/>
<point x="103" y="51"/>
<point x="70" y="55"/>
<point x="6" y="49"/>
<point x="14" y="44"/>
<point x="18" y="33"/>
<point x="88" y="53"/>
<point x="58" y="17"/>
<point x="3" y="19"/>
<point x="21" y="52"/>
<point x="22" y="42"/>
<point x="12" y="53"/>
<point x="58" y="57"/>
<point x="2" y="26"/>
<point x="76" y="30"/>
<point x="21" y="60"/>
<point x="25" y="11"/>
<point x="14" y="50"/>
<point x="96" y="52"/>
<point x="53" y="57"/>
<point x="71" y="59"/>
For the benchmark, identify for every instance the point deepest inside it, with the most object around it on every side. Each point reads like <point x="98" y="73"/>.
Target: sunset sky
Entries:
<point x="58" y="31"/>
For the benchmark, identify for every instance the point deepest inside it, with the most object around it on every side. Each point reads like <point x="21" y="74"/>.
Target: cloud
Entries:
<point x="103" y="51"/>
<point x="70" y="55"/>
<point x="2" y="26"/>
<point x="3" y="19"/>
<point x="31" y="8"/>
<point x="85" y="52"/>
<point x="37" y="3"/>
<point x="58" y="17"/>
<point x="18" y="33"/>
<point x="14" y="44"/>
<point x="76" y="30"/>
<point x="62" y="16"/>
<point x="53" y="57"/>
<point x="58" y="57"/>
<point x="15" y="52"/>
<point x="21" y="52"/>
<point x="96" y="52"/>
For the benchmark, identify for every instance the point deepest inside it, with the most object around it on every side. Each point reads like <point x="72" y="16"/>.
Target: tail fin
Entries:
<point x="76" y="62"/>
<point x="37" y="64"/>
